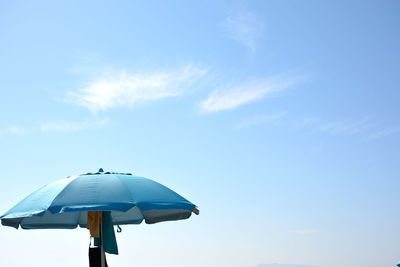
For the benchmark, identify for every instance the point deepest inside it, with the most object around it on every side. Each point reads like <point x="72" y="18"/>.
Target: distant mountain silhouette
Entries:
<point x="283" y="265"/>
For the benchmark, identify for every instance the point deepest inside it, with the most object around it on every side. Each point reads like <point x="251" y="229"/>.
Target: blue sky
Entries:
<point x="279" y="119"/>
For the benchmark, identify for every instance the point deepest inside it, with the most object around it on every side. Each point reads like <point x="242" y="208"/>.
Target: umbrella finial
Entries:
<point x="101" y="170"/>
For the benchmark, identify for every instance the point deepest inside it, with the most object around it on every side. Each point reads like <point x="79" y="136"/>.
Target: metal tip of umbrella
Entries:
<point x="101" y="171"/>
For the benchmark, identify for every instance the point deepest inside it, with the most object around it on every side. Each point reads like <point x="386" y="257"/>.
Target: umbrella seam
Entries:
<point x="65" y="187"/>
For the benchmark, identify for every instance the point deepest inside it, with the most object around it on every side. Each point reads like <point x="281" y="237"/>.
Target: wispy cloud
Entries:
<point x="56" y="126"/>
<point x="308" y="121"/>
<point x="246" y="28"/>
<point x="230" y="97"/>
<point x="284" y="265"/>
<point x="261" y="119"/>
<point x="305" y="231"/>
<point x="14" y="130"/>
<point x="338" y="127"/>
<point x="345" y="127"/>
<point x="362" y="127"/>
<point x="125" y="89"/>
<point x="72" y="126"/>
<point x="386" y="132"/>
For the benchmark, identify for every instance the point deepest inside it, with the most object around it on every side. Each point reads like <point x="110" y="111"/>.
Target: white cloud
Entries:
<point x="229" y="98"/>
<point x="126" y="89"/>
<point x="72" y="126"/>
<point x="261" y="119"/>
<point x="246" y="28"/>
<point x="305" y="231"/>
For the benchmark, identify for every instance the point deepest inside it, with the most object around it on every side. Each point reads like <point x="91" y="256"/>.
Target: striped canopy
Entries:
<point x="131" y="199"/>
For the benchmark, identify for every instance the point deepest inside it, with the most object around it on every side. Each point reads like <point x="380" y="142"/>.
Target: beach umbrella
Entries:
<point x="121" y="198"/>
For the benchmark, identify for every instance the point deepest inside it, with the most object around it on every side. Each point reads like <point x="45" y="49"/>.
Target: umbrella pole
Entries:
<point x="101" y="245"/>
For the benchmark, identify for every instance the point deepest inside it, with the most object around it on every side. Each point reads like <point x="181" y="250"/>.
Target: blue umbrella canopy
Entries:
<point x="130" y="199"/>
